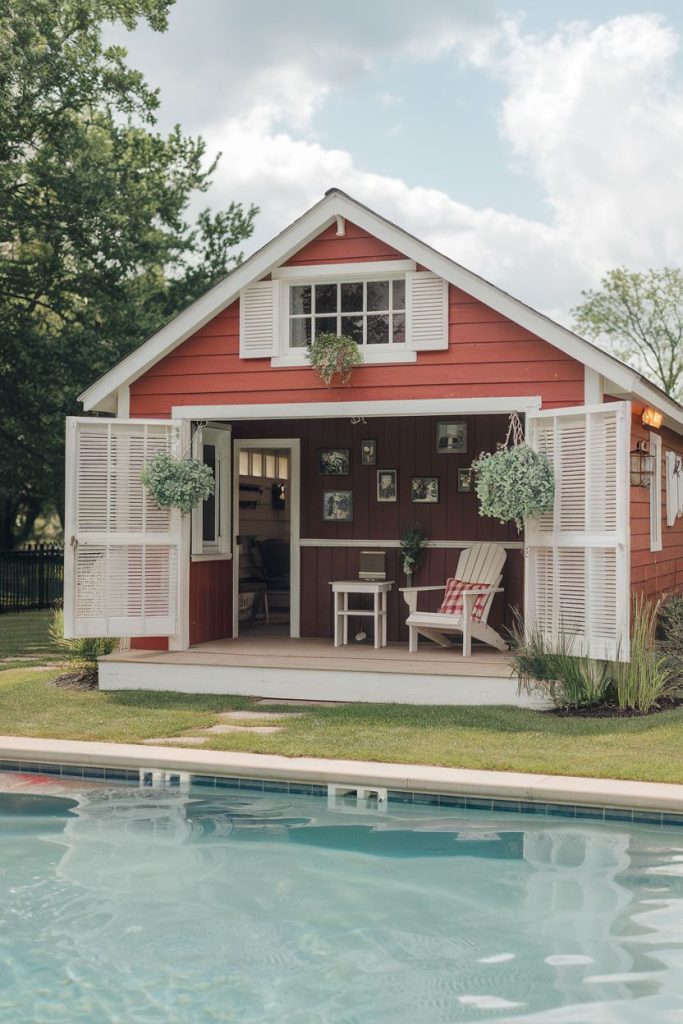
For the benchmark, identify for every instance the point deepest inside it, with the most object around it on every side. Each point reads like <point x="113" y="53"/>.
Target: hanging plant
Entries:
<point x="178" y="483"/>
<point x="334" y="355"/>
<point x="515" y="482"/>
<point x="413" y="540"/>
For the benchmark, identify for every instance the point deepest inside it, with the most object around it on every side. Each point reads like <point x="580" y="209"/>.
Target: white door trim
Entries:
<point x="293" y="445"/>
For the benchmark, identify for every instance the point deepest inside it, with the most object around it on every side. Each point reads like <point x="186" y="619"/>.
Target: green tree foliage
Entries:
<point x="639" y="316"/>
<point x="97" y="247"/>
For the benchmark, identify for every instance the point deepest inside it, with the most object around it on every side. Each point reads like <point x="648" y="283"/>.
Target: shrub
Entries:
<point x="647" y="677"/>
<point x="569" y="681"/>
<point x="574" y="681"/>
<point x="670" y="633"/>
<point x="82" y="651"/>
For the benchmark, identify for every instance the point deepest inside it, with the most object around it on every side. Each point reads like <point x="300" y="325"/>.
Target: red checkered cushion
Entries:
<point x="453" y="600"/>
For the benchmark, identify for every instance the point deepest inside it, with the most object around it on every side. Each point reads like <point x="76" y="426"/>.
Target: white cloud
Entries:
<point x="595" y="114"/>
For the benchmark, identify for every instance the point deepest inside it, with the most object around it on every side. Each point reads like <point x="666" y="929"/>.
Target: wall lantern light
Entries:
<point x="652" y="418"/>
<point x="642" y="465"/>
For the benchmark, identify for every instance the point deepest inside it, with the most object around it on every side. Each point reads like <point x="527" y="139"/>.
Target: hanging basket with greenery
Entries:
<point x="334" y="355"/>
<point x="515" y="482"/>
<point x="178" y="483"/>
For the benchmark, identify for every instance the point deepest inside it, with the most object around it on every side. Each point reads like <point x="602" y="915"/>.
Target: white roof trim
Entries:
<point x="101" y="395"/>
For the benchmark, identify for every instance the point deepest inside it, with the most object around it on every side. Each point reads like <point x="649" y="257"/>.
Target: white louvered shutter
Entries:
<point x="577" y="566"/>
<point x="426" y="311"/>
<point x="122" y="550"/>
<point x="259" y="320"/>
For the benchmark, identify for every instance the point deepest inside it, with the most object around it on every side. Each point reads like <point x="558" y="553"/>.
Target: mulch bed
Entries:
<point x="613" y="711"/>
<point x="84" y="680"/>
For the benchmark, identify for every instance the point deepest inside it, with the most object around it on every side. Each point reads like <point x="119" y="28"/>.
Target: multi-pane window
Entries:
<point x="371" y="312"/>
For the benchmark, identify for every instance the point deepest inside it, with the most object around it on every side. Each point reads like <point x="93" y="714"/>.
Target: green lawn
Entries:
<point x="500" y="738"/>
<point x="24" y="637"/>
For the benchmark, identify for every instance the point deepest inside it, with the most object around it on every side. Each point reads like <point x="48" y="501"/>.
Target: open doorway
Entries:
<point x="266" y="542"/>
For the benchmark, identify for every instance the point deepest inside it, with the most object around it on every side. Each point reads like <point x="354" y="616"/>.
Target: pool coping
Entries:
<point x="410" y="778"/>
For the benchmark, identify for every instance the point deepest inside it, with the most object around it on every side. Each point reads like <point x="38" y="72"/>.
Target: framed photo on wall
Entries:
<point x="424" y="490"/>
<point x="451" y="437"/>
<point x="368" y="453"/>
<point x="466" y="481"/>
<point x="334" y="461"/>
<point x="387" y="484"/>
<point x="337" y="506"/>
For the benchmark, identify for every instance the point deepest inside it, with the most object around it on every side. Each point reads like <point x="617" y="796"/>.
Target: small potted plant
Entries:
<point x="413" y="540"/>
<point x="334" y="355"/>
<point x="515" y="482"/>
<point x="178" y="483"/>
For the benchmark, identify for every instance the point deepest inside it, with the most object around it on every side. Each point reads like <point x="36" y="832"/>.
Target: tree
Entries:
<point x="639" y="316"/>
<point x="96" y="247"/>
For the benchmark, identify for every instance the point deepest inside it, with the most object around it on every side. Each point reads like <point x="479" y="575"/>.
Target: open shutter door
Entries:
<point x="122" y="550"/>
<point x="577" y="572"/>
<point x="259" y="320"/>
<point x="426" y="311"/>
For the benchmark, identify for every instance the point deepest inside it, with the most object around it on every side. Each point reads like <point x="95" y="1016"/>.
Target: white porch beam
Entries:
<point x="339" y="410"/>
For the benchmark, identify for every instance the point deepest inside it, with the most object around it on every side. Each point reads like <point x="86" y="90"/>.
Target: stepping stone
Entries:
<point x="220" y="729"/>
<point x="256" y="716"/>
<point x="178" y="741"/>
<point x="303" y="703"/>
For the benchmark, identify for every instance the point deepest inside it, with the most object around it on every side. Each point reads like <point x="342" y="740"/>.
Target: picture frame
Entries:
<point x="334" y="461"/>
<point x="466" y="480"/>
<point x="424" y="490"/>
<point x="451" y="437"/>
<point x="368" y="452"/>
<point x="387" y="485"/>
<point x="337" y="506"/>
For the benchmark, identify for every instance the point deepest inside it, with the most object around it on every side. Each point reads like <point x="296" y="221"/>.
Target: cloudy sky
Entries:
<point x="538" y="144"/>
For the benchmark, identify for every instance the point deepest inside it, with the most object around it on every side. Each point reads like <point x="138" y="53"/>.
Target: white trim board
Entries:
<point x="321" y="542"/>
<point x="313" y="684"/>
<point x="339" y="410"/>
<point x="101" y="395"/>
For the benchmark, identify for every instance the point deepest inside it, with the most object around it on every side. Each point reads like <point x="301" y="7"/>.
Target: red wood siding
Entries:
<point x="655" y="572"/>
<point x="354" y="246"/>
<point x="210" y="601"/>
<point x="488" y="356"/>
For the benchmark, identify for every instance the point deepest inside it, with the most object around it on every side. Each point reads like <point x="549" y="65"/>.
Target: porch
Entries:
<point x="312" y="669"/>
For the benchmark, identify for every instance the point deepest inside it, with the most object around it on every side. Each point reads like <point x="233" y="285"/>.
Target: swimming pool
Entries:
<point x="134" y="903"/>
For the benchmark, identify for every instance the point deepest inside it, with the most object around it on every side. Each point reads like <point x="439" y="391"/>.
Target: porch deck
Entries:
<point x="286" y="669"/>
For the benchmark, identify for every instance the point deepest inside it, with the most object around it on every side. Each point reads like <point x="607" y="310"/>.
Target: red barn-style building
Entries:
<point x="237" y="597"/>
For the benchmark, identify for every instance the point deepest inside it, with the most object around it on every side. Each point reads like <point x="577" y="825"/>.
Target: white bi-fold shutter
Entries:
<point x="426" y="311"/>
<point x="259" y="320"/>
<point x="577" y="566"/>
<point x="121" y="549"/>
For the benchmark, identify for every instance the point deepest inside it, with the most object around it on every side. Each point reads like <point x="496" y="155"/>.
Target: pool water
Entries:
<point x="148" y="905"/>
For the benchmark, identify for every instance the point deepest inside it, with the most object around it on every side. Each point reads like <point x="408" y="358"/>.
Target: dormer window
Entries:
<point x="371" y="312"/>
<point x="390" y="307"/>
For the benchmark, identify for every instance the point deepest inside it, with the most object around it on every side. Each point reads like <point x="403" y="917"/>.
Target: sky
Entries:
<point x="539" y="144"/>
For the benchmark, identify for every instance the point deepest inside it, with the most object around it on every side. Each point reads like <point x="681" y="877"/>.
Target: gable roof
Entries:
<point x="102" y="395"/>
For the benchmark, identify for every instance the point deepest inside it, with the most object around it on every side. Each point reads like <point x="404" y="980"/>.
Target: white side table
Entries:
<point x="340" y="596"/>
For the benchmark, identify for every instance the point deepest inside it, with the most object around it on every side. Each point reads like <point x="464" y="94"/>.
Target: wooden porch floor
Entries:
<point x="285" y="653"/>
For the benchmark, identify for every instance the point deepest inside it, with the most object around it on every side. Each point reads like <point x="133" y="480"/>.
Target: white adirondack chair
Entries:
<point x="482" y="563"/>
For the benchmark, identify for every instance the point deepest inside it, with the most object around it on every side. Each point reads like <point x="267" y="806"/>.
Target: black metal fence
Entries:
<point x="32" y="577"/>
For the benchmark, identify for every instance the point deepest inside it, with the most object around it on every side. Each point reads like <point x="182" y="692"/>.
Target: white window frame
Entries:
<point x="220" y="548"/>
<point x="378" y="270"/>
<point x="656" y="494"/>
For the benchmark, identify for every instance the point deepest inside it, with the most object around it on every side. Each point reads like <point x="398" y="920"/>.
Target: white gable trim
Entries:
<point x="101" y="395"/>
